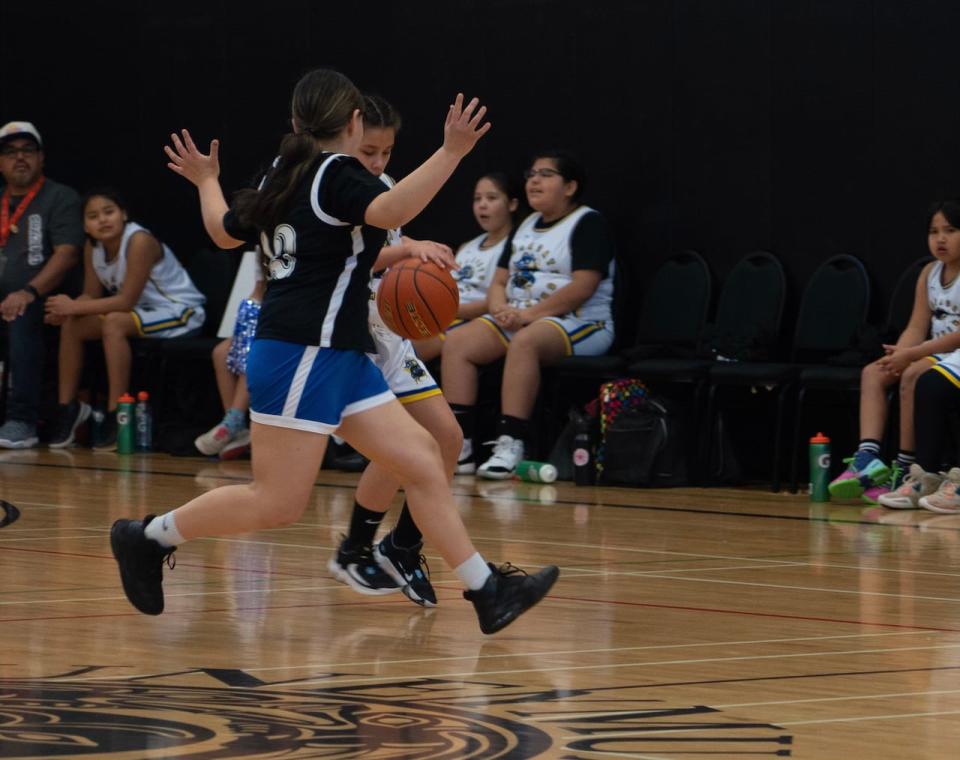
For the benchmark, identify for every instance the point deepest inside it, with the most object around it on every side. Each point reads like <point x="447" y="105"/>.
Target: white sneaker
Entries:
<point x="465" y="463"/>
<point x="915" y="486"/>
<point x="947" y="498"/>
<point x="507" y="453"/>
<point x="214" y="440"/>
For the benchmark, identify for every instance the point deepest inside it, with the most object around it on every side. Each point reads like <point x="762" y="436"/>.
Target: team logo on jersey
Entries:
<point x="282" y="251"/>
<point x="416" y="370"/>
<point x="463" y="273"/>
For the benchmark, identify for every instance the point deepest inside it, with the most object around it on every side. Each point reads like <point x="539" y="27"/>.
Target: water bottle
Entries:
<point x="819" y="468"/>
<point x="97" y="416"/>
<point x="144" y="422"/>
<point x="536" y="472"/>
<point x="125" y="424"/>
<point x="584" y="468"/>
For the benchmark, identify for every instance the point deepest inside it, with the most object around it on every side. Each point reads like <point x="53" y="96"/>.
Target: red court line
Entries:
<point x="784" y="616"/>
<point x="179" y="564"/>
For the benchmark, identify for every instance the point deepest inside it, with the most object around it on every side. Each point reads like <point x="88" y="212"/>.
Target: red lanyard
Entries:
<point x="6" y="223"/>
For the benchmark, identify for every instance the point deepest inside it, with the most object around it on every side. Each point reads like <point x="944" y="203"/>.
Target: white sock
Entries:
<point x="473" y="571"/>
<point x="163" y="530"/>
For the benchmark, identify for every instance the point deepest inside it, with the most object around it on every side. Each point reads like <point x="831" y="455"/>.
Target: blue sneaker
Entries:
<point x="16" y="434"/>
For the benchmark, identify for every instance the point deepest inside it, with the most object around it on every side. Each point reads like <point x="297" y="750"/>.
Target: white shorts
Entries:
<point x="173" y="321"/>
<point x="583" y="338"/>
<point x="405" y="374"/>
<point x="948" y="365"/>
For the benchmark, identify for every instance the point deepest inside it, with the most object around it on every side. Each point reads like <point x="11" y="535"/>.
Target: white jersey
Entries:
<point x="478" y="265"/>
<point x="944" y="302"/>
<point x="167" y="284"/>
<point x="541" y="263"/>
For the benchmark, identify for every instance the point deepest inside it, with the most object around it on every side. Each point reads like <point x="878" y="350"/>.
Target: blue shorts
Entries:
<point x="310" y="388"/>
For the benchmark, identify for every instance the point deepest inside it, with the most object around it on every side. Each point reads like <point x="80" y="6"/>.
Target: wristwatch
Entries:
<point x="31" y="290"/>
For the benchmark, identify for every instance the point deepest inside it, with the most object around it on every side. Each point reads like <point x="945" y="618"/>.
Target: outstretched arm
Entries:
<point x="411" y="195"/>
<point x="203" y="170"/>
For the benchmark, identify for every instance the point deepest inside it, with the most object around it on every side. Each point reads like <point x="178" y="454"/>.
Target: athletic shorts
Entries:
<point x="405" y="374"/>
<point x="948" y="365"/>
<point x="167" y="321"/>
<point x="310" y="388"/>
<point x="583" y="338"/>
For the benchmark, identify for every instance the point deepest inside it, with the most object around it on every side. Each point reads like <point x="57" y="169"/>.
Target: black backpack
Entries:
<point x="642" y="441"/>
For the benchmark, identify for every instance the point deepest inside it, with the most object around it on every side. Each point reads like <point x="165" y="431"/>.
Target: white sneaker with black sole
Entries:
<point x="507" y="453"/>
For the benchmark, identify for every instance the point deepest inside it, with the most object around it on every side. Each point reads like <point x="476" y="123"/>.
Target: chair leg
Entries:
<point x="795" y="440"/>
<point x="778" y="435"/>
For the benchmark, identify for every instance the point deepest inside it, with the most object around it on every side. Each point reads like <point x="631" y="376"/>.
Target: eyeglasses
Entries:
<point x="24" y="150"/>
<point x="545" y="173"/>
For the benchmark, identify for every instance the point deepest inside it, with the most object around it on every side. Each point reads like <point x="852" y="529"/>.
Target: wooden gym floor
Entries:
<point x="686" y="624"/>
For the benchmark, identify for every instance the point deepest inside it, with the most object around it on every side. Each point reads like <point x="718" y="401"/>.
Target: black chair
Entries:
<point x="832" y="309"/>
<point x="846" y="379"/>
<point x="747" y="325"/>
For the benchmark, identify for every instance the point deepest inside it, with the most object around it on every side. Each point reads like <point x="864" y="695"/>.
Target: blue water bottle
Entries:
<point x="143" y="418"/>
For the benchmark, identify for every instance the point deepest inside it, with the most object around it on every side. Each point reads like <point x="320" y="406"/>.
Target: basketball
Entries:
<point x="417" y="299"/>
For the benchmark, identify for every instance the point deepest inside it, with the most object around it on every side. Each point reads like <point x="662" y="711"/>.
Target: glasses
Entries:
<point x="24" y="150"/>
<point x="544" y="173"/>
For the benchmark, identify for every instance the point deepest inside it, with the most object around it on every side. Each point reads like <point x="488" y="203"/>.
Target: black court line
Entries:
<point x="10" y="513"/>
<point x="646" y="507"/>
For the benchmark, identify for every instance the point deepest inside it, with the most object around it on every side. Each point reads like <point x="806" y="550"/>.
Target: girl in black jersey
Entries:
<point x="321" y="218"/>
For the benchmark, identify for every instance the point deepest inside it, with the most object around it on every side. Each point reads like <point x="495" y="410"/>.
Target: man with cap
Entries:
<point x="41" y="236"/>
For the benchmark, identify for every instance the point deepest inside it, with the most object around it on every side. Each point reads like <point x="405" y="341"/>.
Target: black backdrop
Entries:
<point x="805" y="127"/>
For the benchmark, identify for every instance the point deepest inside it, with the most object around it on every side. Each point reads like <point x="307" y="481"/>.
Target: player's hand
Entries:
<point x="427" y="250"/>
<point x="187" y="160"/>
<point x="59" y="306"/>
<point x="463" y="128"/>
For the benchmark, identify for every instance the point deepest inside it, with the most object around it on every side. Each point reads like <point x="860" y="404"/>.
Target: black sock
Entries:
<point x="466" y="415"/>
<point x="363" y="525"/>
<point x="905" y="459"/>
<point x="405" y="533"/>
<point x="514" y="427"/>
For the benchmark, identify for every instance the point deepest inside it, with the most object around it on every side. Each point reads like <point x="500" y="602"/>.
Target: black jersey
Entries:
<point x="319" y="258"/>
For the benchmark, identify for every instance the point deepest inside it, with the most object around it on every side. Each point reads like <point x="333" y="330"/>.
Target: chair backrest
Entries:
<point x="213" y="273"/>
<point x="833" y="309"/>
<point x="901" y="301"/>
<point x="675" y="304"/>
<point x="750" y="309"/>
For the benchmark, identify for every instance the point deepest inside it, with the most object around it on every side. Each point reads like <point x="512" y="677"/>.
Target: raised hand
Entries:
<point x="187" y="160"/>
<point x="463" y="128"/>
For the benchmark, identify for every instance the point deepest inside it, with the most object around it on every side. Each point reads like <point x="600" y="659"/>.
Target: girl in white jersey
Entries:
<point x="133" y="286"/>
<point x="396" y="561"/>
<point x="321" y="217"/>
<point x="550" y="298"/>
<point x="932" y="333"/>
<point x="494" y="203"/>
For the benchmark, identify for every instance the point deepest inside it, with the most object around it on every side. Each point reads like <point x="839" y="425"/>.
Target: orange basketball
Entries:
<point x="417" y="299"/>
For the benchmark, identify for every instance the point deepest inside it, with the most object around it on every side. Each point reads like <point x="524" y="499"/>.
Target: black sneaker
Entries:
<point x="408" y="567"/>
<point x="107" y="439"/>
<point x="69" y="418"/>
<point x="141" y="561"/>
<point x="356" y="567"/>
<point x="508" y="593"/>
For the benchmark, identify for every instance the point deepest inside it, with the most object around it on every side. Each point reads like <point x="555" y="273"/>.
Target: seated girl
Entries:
<point x="133" y="286"/>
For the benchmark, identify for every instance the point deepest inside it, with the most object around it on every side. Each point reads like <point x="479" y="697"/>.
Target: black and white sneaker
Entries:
<point x="507" y="453"/>
<point x="465" y="463"/>
<point x="357" y="567"/>
<point x="69" y="418"/>
<point x="408" y="567"/>
<point x="141" y="561"/>
<point x="508" y="593"/>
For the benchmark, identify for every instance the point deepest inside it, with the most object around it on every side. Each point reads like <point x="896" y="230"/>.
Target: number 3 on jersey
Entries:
<point x="282" y="251"/>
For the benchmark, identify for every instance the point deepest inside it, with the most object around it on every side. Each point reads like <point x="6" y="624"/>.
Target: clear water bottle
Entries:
<point x="143" y="417"/>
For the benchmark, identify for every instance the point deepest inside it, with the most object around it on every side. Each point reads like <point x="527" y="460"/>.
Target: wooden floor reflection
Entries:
<point x="686" y="624"/>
